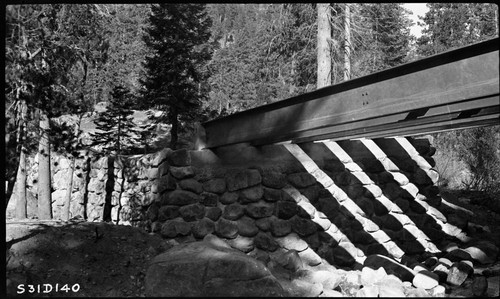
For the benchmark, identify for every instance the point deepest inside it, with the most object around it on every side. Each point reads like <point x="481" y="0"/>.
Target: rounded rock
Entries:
<point x="426" y="280"/>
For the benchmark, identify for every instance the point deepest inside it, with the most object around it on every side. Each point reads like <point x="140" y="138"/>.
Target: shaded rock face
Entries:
<point x="206" y="268"/>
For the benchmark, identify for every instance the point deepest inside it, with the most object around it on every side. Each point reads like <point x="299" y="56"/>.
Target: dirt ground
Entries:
<point x="104" y="260"/>
<point x="85" y="259"/>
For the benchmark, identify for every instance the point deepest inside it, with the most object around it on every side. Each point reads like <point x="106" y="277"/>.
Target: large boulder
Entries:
<point x="207" y="268"/>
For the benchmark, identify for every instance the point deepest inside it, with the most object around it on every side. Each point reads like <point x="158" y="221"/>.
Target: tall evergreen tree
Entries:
<point x="125" y="50"/>
<point x="451" y="25"/>
<point x="384" y="40"/>
<point x="178" y="35"/>
<point x="294" y="46"/>
<point x="116" y="130"/>
<point x="240" y="69"/>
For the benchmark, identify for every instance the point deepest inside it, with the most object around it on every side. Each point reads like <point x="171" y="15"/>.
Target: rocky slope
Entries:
<point x="105" y="260"/>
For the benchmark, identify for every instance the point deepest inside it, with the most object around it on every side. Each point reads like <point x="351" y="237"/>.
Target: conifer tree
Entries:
<point x="452" y="25"/>
<point x="382" y="39"/>
<point x="116" y="130"/>
<point x="178" y="35"/>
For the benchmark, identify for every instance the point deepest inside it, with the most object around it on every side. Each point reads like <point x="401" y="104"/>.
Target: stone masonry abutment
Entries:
<point x="334" y="201"/>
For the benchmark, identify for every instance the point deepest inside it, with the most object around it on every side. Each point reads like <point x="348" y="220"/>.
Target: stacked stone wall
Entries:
<point x="96" y="188"/>
<point x="335" y="201"/>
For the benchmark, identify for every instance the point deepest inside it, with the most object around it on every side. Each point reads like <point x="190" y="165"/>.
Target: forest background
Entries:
<point x="189" y="63"/>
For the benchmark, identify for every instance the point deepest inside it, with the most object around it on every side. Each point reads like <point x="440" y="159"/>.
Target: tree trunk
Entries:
<point x="324" y="77"/>
<point x="21" y="202"/>
<point x="69" y="189"/>
<point x="120" y="193"/>
<point x="9" y="191"/>
<point x="118" y="137"/>
<point x="44" y="194"/>
<point x="347" y="43"/>
<point x="174" y="132"/>
<point x="20" y="184"/>
<point x="11" y="180"/>
<point x="496" y="23"/>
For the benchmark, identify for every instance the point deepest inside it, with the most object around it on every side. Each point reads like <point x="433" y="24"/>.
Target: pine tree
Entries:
<point x="295" y="47"/>
<point x="116" y="131"/>
<point x="125" y="50"/>
<point x="238" y="72"/>
<point x="384" y="40"/>
<point x="178" y="35"/>
<point x="451" y="25"/>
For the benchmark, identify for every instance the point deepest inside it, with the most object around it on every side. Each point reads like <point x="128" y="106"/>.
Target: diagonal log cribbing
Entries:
<point x="455" y="89"/>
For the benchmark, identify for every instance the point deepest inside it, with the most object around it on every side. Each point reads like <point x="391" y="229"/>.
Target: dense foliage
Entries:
<point x="126" y="51"/>
<point x="452" y="25"/>
<point x="267" y="52"/>
<point x="387" y="42"/>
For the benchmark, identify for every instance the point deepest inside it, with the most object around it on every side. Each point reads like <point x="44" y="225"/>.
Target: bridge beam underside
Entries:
<point x="455" y="89"/>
